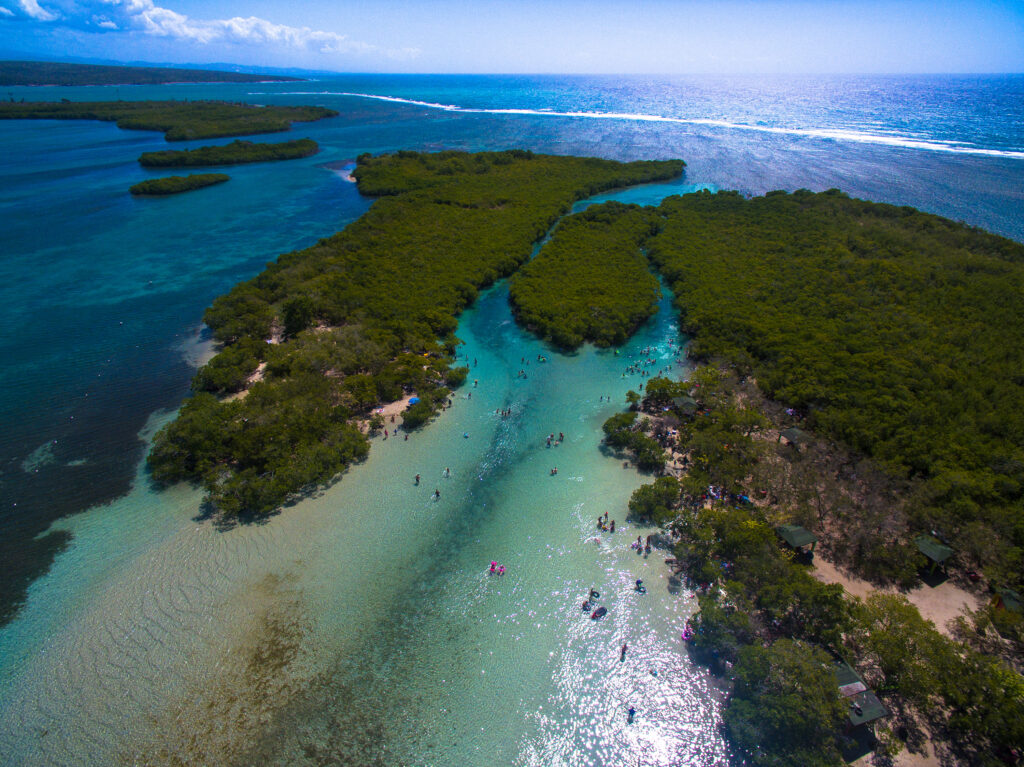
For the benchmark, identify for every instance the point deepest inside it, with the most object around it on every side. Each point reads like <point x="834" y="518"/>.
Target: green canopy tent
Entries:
<point x="1008" y="599"/>
<point x="863" y="705"/>
<point x="795" y="437"/>
<point x="685" y="405"/>
<point x="936" y="551"/>
<point x="797" y="536"/>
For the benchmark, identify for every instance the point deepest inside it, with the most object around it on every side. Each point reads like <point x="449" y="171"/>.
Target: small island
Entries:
<point x="235" y="153"/>
<point x="178" y="120"/>
<point x="157" y="187"/>
<point x="61" y="73"/>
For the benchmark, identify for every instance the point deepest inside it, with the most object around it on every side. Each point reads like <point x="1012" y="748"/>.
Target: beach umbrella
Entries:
<point x="413" y="400"/>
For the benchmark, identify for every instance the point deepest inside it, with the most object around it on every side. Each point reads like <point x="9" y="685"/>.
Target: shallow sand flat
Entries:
<point x="362" y="621"/>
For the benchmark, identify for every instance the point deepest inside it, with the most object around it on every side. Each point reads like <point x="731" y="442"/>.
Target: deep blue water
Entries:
<point x="99" y="291"/>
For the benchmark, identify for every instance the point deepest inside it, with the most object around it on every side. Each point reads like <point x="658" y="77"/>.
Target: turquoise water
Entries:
<point x="360" y="626"/>
<point x="405" y="648"/>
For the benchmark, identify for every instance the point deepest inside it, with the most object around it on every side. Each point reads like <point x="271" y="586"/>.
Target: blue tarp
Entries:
<point x="413" y="400"/>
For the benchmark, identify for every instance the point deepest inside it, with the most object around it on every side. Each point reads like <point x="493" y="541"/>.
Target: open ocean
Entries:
<point x="126" y="622"/>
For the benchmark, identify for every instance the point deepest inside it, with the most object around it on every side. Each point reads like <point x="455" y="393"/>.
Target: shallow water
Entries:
<point x="362" y="624"/>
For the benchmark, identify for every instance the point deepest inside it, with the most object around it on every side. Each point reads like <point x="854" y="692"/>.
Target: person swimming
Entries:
<point x="632" y="713"/>
<point x="640" y="586"/>
<point x="494" y="567"/>
<point x="501" y="569"/>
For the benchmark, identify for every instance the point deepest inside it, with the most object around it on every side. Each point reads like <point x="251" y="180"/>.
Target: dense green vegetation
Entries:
<point x="624" y="433"/>
<point x="758" y="596"/>
<point x="360" y="314"/>
<point x="591" y="281"/>
<point x="755" y="596"/>
<point x="59" y="73"/>
<point x="896" y="332"/>
<point x="178" y="120"/>
<point x="784" y="708"/>
<point x="235" y="153"/>
<point x="177" y="184"/>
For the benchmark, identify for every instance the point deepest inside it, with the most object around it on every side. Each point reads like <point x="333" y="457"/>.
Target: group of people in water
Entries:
<point x="497" y="569"/>
<point x="604" y="525"/>
<point x="647" y="360"/>
<point x="641" y="546"/>
<point x="436" y="495"/>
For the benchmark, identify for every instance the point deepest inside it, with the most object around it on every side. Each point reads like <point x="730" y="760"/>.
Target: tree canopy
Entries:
<point x="235" y="153"/>
<point x="177" y="184"/>
<point x="591" y="281"/>
<point x="896" y="332"/>
<point x="177" y="120"/>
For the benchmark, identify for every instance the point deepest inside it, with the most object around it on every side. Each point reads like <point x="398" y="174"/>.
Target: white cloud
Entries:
<point x="32" y="9"/>
<point x="6" y="11"/>
<point x="151" y="19"/>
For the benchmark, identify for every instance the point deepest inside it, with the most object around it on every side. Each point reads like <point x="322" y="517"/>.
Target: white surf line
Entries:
<point x="934" y="145"/>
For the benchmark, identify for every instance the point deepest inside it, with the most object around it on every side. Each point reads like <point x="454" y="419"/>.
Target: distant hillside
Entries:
<point x="57" y="73"/>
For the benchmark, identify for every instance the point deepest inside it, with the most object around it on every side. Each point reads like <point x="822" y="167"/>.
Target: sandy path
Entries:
<point x="940" y="604"/>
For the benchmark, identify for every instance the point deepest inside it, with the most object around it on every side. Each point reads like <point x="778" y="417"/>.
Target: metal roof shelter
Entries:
<point x="795" y="436"/>
<point x="685" y="404"/>
<point x="933" y="548"/>
<point x="864" y="705"/>
<point x="797" y="536"/>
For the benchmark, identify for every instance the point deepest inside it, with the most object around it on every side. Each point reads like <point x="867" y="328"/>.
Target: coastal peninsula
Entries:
<point x="364" y="317"/>
<point x="177" y="120"/>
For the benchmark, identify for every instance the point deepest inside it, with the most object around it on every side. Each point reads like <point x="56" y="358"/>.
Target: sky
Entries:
<point x="529" y="36"/>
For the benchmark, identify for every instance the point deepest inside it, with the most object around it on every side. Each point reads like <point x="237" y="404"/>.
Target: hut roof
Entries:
<point x="795" y="535"/>
<point x="685" y="403"/>
<point x="864" y="705"/>
<point x="933" y="548"/>
<point x="795" y="435"/>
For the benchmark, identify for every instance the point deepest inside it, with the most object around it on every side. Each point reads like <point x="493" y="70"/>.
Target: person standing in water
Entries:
<point x="417" y="480"/>
<point x="622" y="652"/>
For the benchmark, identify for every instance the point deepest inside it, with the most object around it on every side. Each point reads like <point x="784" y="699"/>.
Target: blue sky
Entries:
<point x="570" y="36"/>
